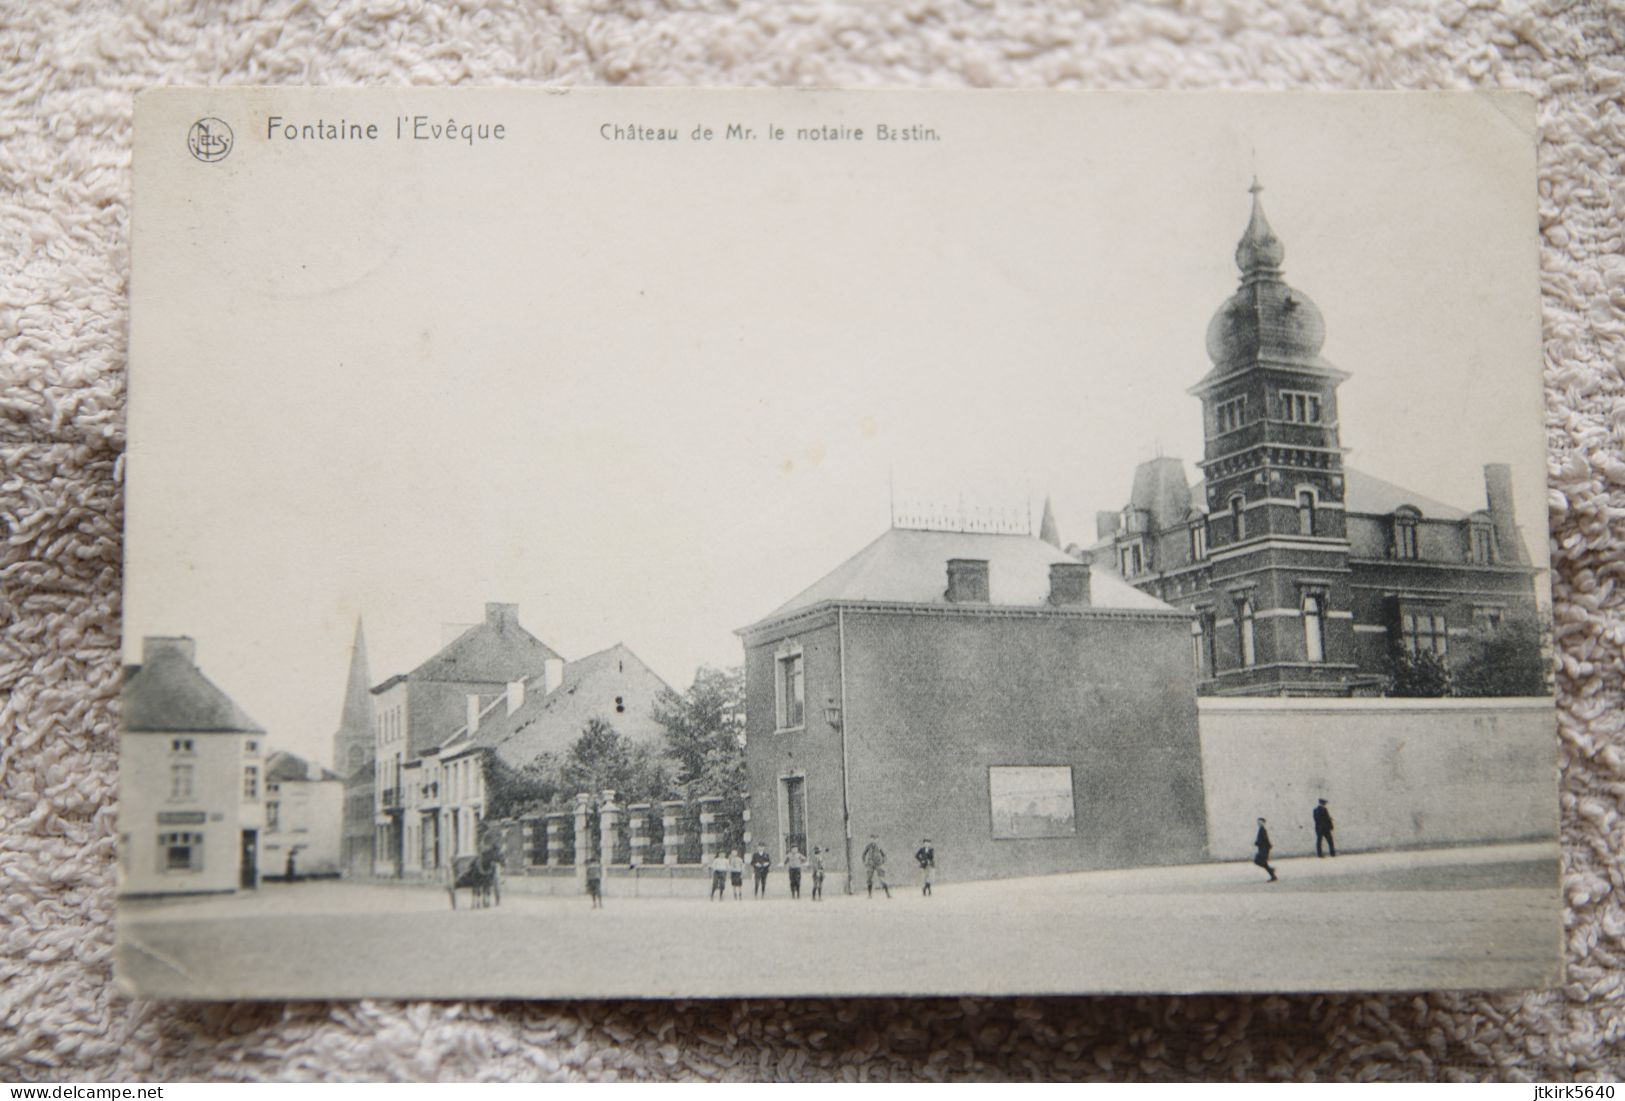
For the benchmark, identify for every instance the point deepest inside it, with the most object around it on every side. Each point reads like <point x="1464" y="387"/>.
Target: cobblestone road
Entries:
<point x="1467" y="918"/>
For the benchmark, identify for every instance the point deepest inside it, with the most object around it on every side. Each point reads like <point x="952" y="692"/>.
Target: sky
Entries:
<point x="649" y="391"/>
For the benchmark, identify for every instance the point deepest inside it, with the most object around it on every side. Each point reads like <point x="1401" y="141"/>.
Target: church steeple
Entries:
<point x="352" y="742"/>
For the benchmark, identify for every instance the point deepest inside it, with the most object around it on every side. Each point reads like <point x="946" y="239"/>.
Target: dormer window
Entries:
<point x="1133" y="559"/>
<point x="1480" y="543"/>
<point x="1231" y="415"/>
<point x="1405" y="522"/>
<point x="1199" y="539"/>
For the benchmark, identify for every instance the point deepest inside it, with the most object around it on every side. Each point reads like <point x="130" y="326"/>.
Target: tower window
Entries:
<point x="1238" y="518"/>
<point x="1306" y="512"/>
<point x="1314" y="626"/>
<point x="1244" y="625"/>
<point x="1231" y="415"/>
<point x="1299" y="407"/>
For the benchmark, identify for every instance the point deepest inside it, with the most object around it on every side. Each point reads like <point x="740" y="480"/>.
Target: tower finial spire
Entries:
<point x="1259" y="251"/>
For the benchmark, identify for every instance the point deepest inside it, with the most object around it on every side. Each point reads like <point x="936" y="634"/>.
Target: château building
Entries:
<point x="1304" y="575"/>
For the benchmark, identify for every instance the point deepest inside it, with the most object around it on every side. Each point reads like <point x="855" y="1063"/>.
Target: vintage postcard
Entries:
<point x="650" y="543"/>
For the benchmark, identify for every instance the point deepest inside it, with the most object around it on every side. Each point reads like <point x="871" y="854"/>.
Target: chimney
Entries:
<point x="502" y="615"/>
<point x="157" y="646"/>
<point x="473" y="712"/>
<point x="967" y="581"/>
<point x="552" y="674"/>
<point x="1069" y="584"/>
<point x="1498" y="489"/>
<point x="516" y="695"/>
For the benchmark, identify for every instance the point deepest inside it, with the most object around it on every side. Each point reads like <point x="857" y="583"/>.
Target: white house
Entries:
<point x="190" y="779"/>
<point x="304" y="819"/>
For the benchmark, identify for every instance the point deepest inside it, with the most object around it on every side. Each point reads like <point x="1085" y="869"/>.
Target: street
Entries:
<point x="1459" y="918"/>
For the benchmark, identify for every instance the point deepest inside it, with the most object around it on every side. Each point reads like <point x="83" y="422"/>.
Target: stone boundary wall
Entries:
<point x="1397" y="773"/>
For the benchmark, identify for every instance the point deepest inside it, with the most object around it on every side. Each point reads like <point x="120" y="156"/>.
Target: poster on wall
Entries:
<point x="1003" y="542"/>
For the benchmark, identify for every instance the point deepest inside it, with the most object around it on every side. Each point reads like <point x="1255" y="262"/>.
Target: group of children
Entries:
<point x="729" y="869"/>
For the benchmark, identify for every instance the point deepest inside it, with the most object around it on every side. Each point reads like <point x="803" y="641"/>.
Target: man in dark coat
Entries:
<point x="1262" y="856"/>
<point x="874" y="865"/>
<point x="1323" y="830"/>
<point x="926" y="857"/>
<point x="761" y="860"/>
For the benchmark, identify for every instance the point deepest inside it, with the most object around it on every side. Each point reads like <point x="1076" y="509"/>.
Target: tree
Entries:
<point x="1509" y="661"/>
<point x="602" y="760"/>
<point x="1416" y="674"/>
<point x="705" y="732"/>
<point x="511" y="791"/>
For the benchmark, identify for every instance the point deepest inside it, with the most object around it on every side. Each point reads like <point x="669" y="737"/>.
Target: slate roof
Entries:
<point x="1369" y="495"/>
<point x="1363" y="493"/>
<point x="168" y="693"/>
<point x="282" y="767"/>
<point x="551" y="723"/>
<point x="1160" y="489"/>
<point x="501" y="651"/>
<point x="909" y="566"/>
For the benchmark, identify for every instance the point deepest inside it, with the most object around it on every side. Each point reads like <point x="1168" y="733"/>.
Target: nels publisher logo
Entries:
<point x="209" y="140"/>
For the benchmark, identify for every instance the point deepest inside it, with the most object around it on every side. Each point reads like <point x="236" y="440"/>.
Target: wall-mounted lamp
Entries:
<point x="832" y="713"/>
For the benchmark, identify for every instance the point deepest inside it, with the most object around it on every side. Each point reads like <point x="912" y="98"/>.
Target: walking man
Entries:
<point x="818" y="874"/>
<point x="926" y="857"/>
<point x="1323" y="830"/>
<point x="793" y="862"/>
<point x="760" y="861"/>
<point x="874" y="864"/>
<point x="1262" y="856"/>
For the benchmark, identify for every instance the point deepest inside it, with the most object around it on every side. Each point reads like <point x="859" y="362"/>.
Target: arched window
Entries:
<point x="1238" y="518"/>
<point x="1244" y="624"/>
<point x="1314" y="626"/>
<point x="1306" y="512"/>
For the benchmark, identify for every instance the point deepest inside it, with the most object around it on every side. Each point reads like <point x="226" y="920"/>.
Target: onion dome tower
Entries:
<point x="1272" y="466"/>
<point x="1269" y="405"/>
